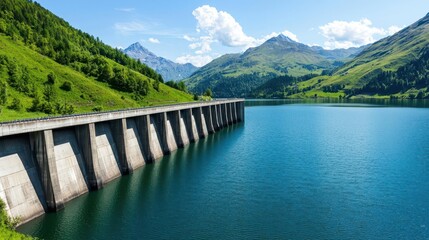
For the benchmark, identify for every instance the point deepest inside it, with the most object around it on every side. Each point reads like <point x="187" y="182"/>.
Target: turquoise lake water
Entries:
<point x="291" y="171"/>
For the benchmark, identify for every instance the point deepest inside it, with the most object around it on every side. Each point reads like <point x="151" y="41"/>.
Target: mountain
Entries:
<point x="339" y="54"/>
<point x="47" y="67"/>
<point x="169" y="70"/>
<point x="395" y="66"/>
<point x="237" y="75"/>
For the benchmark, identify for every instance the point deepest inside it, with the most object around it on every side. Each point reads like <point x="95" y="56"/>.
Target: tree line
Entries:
<point x="36" y="27"/>
<point x="282" y="86"/>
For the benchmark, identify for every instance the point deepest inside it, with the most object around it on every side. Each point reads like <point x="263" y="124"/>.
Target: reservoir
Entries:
<point x="292" y="170"/>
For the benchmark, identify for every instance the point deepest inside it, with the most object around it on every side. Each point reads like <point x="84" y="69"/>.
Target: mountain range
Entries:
<point x="168" y="69"/>
<point x="238" y="74"/>
<point x="396" y="66"/>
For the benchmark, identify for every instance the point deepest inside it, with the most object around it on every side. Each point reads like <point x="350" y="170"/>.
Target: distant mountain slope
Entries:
<point x="339" y="54"/>
<point x="48" y="67"/>
<point x="169" y="70"/>
<point x="237" y="75"/>
<point x="389" y="53"/>
<point x="394" y="65"/>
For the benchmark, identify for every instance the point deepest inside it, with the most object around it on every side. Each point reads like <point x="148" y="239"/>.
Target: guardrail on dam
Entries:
<point x="47" y="162"/>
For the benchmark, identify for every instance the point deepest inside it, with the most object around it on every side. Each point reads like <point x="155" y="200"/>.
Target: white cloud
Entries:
<point x="275" y="34"/>
<point x="215" y="26"/>
<point x="194" y="45"/>
<point x="125" y="9"/>
<point x="130" y="27"/>
<point x="313" y="45"/>
<point x="189" y="38"/>
<point x="220" y="26"/>
<point x="342" y="34"/>
<point x="201" y="45"/>
<point x="394" y="29"/>
<point x="290" y="35"/>
<point x="196" y="60"/>
<point x="153" y="40"/>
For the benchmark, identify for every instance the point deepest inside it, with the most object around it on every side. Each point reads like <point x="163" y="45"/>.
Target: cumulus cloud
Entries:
<point x="221" y="26"/>
<point x="130" y="27"/>
<point x="275" y="34"/>
<point x="203" y="45"/>
<point x="342" y="34"/>
<point x="313" y="45"/>
<point x="189" y="38"/>
<point x="196" y="60"/>
<point x="216" y="26"/>
<point x="394" y="29"/>
<point x="213" y="26"/>
<point x="153" y="40"/>
<point x="290" y="35"/>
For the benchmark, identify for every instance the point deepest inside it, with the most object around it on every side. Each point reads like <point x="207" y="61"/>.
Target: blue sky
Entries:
<point x="198" y="31"/>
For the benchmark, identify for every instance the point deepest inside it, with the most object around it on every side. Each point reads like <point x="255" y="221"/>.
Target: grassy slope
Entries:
<point x="387" y="54"/>
<point x="6" y="231"/>
<point x="86" y="93"/>
<point x="275" y="57"/>
<point x="220" y="65"/>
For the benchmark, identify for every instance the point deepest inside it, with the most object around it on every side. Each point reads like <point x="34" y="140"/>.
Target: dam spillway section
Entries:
<point x="45" y="163"/>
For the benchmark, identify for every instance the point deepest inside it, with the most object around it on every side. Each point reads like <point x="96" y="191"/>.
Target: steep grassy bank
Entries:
<point x="49" y="68"/>
<point x="7" y="226"/>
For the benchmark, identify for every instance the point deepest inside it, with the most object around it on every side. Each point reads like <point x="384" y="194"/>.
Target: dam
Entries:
<point x="45" y="163"/>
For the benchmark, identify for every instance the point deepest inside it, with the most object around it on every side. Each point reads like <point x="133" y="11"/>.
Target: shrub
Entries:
<point x="8" y="224"/>
<point x="5" y="220"/>
<point x="156" y="85"/>
<point x="3" y="93"/>
<point x="51" y="78"/>
<point x="49" y="93"/>
<point x="65" y="108"/>
<point x="97" y="109"/>
<point x="16" y="105"/>
<point x="208" y="93"/>
<point x="47" y="108"/>
<point x="67" y="86"/>
<point x="420" y="95"/>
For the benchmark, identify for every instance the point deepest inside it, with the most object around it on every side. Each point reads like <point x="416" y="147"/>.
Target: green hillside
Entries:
<point x="49" y="68"/>
<point x="7" y="226"/>
<point x="395" y="66"/>
<point x="239" y="74"/>
<point x="211" y="75"/>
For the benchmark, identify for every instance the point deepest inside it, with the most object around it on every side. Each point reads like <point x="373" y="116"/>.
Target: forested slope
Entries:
<point x="48" y="67"/>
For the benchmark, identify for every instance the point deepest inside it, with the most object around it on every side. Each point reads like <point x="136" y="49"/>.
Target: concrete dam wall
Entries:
<point x="46" y="162"/>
